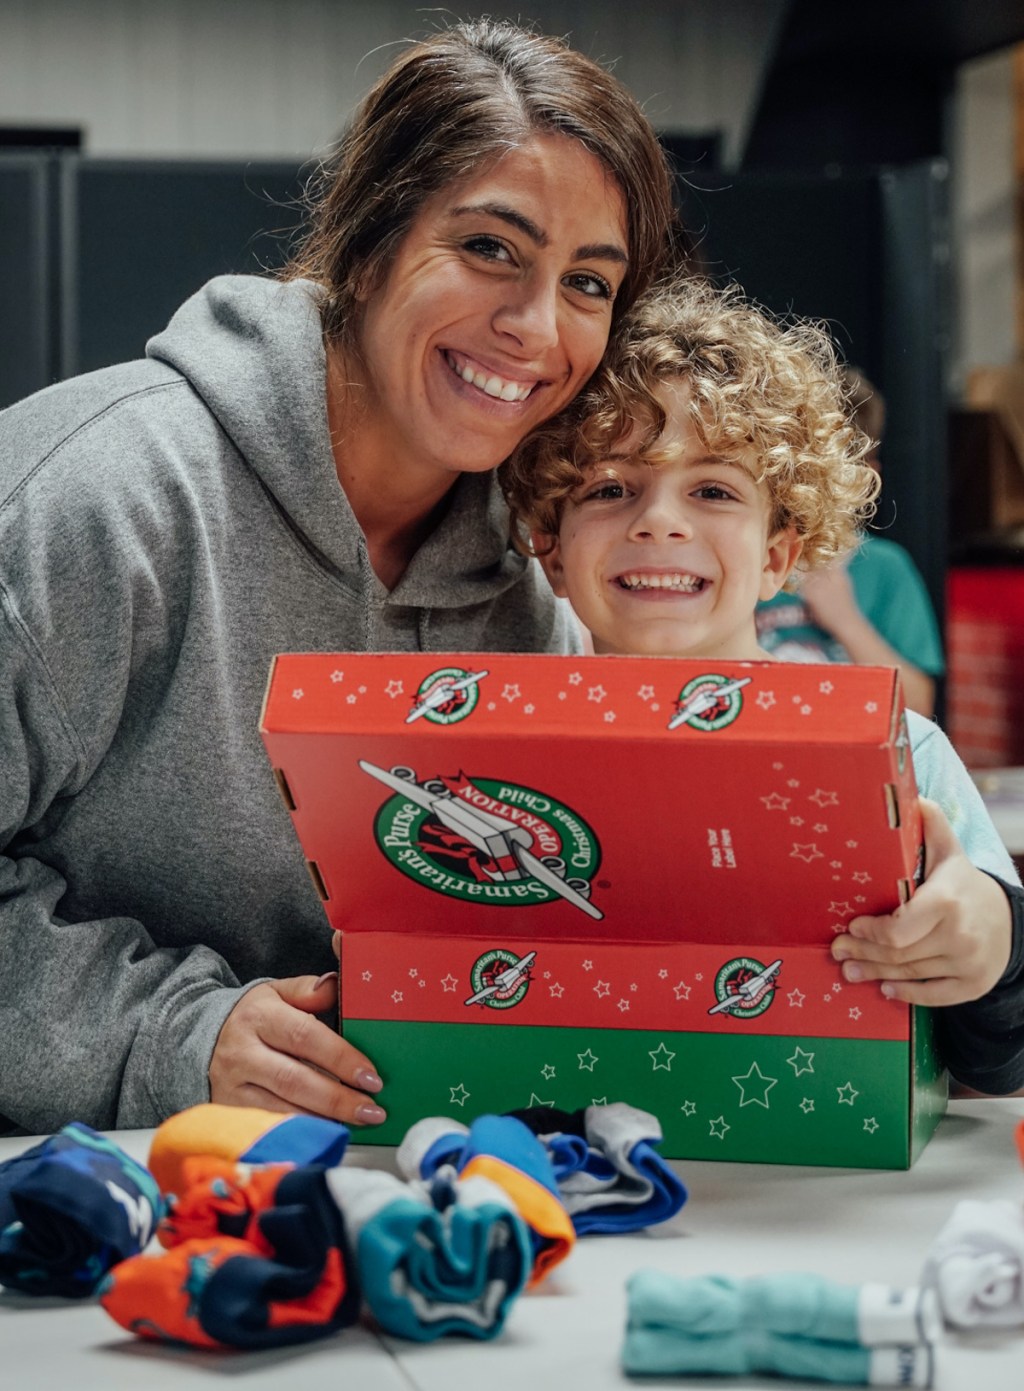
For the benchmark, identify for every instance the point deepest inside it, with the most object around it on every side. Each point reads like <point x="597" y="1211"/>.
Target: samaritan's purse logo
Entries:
<point x="486" y="841"/>
<point x="745" y="987"/>
<point x="446" y="696"/>
<point x="709" y="702"/>
<point x="500" y="978"/>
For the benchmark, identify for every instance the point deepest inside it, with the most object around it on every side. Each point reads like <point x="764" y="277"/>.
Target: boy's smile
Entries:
<point x="669" y="556"/>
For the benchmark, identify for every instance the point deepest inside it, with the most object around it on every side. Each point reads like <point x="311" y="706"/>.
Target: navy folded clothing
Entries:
<point x="70" y="1209"/>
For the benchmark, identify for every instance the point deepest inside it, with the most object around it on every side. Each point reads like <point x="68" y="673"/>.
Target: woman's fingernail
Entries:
<point x="852" y="971"/>
<point x="369" y="1114"/>
<point x="888" y="990"/>
<point x="327" y="975"/>
<point x="368" y="1081"/>
<point x="840" y="954"/>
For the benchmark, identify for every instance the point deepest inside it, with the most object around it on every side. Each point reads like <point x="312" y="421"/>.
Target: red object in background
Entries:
<point x="985" y="656"/>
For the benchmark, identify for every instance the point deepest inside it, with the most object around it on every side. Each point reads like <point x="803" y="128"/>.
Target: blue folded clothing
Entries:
<point x="70" y="1209"/>
<point x="447" y="1256"/>
<point x="610" y="1176"/>
<point x="792" y="1325"/>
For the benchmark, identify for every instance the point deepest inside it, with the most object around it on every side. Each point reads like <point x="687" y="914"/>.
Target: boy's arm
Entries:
<point x="952" y="943"/>
<point x="982" y="1041"/>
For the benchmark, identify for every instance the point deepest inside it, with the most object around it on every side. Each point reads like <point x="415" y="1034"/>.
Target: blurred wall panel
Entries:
<point x="27" y="301"/>
<point x="139" y="237"/>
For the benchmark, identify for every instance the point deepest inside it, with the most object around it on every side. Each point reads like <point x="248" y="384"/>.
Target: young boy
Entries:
<point x="713" y="454"/>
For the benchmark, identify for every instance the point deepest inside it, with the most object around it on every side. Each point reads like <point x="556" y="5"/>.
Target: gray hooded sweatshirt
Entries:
<point x="166" y="527"/>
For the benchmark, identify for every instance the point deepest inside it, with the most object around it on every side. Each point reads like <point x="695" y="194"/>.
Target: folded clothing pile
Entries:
<point x="976" y="1265"/>
<point x="269" y="1240"/>
<point x="793" y="1325"/>
<point x="602" y="1165"/>
<point x="70" y="1209"/>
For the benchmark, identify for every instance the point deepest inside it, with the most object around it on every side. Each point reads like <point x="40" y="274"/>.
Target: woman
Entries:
<point x="299" y="465"/>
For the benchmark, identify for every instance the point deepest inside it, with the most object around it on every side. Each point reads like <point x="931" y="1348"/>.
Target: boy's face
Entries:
<point x="670" y="558"/>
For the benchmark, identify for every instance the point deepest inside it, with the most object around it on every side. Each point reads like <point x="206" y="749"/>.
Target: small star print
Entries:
<point x="807" y="853"/>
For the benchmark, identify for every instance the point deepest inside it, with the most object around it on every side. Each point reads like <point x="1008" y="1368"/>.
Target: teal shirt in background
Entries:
<point x="890" y="593"/>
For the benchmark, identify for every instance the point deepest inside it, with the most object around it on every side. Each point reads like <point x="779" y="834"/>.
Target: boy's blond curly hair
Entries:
<point x="759" y="387"/>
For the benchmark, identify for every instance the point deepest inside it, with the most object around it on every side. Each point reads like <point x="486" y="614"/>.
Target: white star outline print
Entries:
<point x="759" y="1083"/>
<point x="801" y="1062"/>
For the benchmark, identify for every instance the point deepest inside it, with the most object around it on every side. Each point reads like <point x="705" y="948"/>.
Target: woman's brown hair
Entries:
<point x="447" y="106"/>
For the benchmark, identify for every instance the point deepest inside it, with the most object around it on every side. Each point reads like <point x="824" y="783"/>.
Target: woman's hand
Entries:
<point x="950" y="943"/>
<point x="272" y="1052"/>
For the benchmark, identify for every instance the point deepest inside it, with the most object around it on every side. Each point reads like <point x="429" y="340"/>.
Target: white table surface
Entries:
<point x="741" y="1219"/>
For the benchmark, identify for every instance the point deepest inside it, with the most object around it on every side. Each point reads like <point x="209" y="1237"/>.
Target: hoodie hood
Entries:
<point x="253" y="350"/>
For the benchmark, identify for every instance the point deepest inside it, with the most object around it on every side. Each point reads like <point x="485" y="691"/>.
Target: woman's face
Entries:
<point x="495" y="312"/>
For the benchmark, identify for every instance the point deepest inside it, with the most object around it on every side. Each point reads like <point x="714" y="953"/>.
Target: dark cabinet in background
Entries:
<point x="95" y="255"/>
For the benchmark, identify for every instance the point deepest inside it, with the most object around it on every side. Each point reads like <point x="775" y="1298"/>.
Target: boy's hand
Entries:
<point x="272" y="1052"/>
<point x="949" y="944"/>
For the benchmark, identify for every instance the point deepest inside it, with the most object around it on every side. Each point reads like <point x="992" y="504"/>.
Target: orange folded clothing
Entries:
<point x="242" y="1133"/>
<point x="288" y="1281"/>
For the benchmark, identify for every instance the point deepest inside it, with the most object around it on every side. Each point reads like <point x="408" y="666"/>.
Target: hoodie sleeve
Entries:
<point x="97" y="1024"/>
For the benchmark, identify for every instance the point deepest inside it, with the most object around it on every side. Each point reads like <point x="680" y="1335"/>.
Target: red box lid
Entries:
<point x="616" y="798"/>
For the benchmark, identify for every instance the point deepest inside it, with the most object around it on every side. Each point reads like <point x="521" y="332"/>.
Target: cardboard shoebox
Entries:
<point x="563" y="881"/>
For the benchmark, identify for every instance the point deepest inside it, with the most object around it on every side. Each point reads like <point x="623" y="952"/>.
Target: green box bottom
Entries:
<point x="754" y="1098"/>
